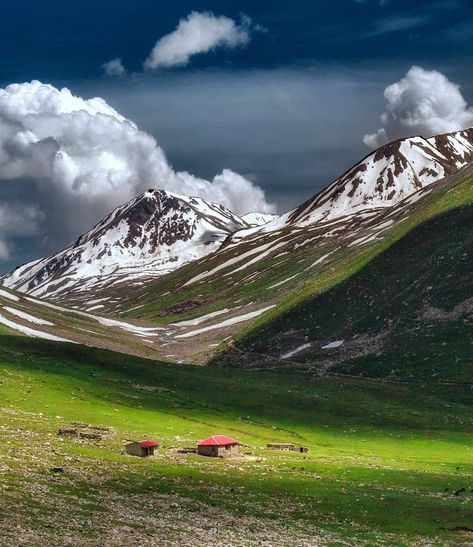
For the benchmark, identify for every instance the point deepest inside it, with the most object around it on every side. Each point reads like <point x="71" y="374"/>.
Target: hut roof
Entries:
<point x="148" y="443"/>
<point x="218" y="440"/>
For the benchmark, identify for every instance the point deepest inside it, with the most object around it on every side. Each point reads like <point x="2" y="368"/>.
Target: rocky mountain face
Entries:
<point x="153" y="234"/>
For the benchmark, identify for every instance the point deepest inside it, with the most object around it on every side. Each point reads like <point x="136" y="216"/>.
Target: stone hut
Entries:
<point x="143" y="449"/>
<point x="287" y="446"/>
<point x="218" y="446"/>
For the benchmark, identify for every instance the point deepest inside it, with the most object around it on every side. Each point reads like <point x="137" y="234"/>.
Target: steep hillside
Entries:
<point x="406" y="315"/>
<point x="388" y="175"/>
<point x="264" y="264"/>
<point x="153" y="234"/>
<point x="382" y="179"/>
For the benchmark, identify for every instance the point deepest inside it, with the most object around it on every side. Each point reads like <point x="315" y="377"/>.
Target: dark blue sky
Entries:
<point x="67" y="41"/>
<point x="290" y="109"/>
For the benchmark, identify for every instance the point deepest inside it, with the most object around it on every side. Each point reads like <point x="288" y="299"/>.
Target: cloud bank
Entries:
<point x="84" y="158"/>
<point x="197" y="33"/>
<point x="423" y="102"/>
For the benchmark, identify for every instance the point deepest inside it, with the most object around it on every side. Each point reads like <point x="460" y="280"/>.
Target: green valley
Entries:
<point x="388" y="463"/>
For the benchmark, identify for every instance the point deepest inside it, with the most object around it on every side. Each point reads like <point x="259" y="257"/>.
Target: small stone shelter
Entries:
<point x="218" y="446"/>
<point x="143" y="449"/>
<point x="287" y="446"/>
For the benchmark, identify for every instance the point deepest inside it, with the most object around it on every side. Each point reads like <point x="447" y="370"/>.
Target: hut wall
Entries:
<point x="227" y="451"/>
<point x="134" y="449"/>
<point x="207" y="450"/>
<point x="218" y="451"/>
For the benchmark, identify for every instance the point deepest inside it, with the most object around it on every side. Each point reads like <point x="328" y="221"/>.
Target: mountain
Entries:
<point x="385" y="177"/>
<point x="202" y="297"/>
<point x="151" y="235"/>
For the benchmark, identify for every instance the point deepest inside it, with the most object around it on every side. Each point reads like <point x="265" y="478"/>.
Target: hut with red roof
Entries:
<point x="218" y="446"/>
<point x="144" y="448"/>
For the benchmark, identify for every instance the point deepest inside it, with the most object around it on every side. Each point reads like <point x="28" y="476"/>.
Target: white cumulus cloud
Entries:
<point x="84" y="158"/>
<point x="423" y="102"/>
<point x="114" y="67"/>
<point x="197" y="33"/>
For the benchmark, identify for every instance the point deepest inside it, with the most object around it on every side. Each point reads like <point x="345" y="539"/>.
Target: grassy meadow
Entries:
<point x="388" y="463"/>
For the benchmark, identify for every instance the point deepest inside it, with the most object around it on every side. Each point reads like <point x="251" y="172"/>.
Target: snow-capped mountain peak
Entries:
<point x="159" y="231"/>
<point x="151" y="235"/>
<point x="385" y="177"/>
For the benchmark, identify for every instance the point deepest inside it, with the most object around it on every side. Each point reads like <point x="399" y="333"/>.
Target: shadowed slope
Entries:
<point x="408" y="314"/>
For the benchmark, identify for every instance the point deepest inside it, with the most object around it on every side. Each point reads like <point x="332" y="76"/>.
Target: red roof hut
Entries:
<point x="218" y="446"/>
<point x="141" y="448"/>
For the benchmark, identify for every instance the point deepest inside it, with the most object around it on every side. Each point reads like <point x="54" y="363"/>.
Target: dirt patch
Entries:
<point x="182" y="307"/>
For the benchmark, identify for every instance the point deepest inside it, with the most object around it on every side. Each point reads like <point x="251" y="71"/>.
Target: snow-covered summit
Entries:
<point x="385" y="177"/>
<point x="153" y="234"/>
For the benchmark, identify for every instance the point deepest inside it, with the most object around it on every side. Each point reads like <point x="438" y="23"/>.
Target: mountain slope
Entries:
<point x="267" y="269"/>
<point x="406" y="315"/>
<point x="153" y="234"/>
<point x="23" y="315"/>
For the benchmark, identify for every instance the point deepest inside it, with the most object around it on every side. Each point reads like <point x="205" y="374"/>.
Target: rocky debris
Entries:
<point x="287" y="447"/>
<point x="71" y="432"/>
<point x="88" y="435"/>
<point x="89" y="426"/>
<point x="86" y="431"/>
<point x="182" y="307"/>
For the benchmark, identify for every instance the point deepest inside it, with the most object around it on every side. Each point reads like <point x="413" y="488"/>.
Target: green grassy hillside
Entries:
<point x="388" y="464"/>
<point x="404" y="315"/>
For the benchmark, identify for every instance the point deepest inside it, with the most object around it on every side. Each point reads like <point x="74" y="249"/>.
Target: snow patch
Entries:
<point x="333" y="345"/>
<point x="227" y="322"/>
<point x="8" y="295"/>
<point x="103" y="320"/>
<point x="321" y="259"/>
<point x="294" y="351"/>
<point x="32" y="332"/>
<point x="28" y="317"/>
<point x="230" y="262"/>
<point x="282" y="282"/>
<point x="201" y="319"/>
